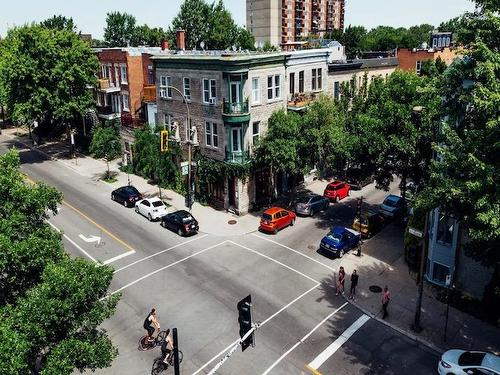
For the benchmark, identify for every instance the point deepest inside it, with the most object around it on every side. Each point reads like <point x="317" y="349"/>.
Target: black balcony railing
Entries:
<point x="237" y="108"/>
<point x="238" y="157"/>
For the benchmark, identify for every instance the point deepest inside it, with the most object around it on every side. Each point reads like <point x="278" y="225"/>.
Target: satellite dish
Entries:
<point x="234" y="48"/>
<point x="202" y="44"/>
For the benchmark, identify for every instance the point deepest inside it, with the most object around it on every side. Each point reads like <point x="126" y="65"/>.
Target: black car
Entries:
<point x="181" y="222"/>
<point x="126" y="195"/>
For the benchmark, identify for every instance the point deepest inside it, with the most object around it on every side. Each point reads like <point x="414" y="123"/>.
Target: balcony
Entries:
<point x="149" y="94"/>
<point x="235" y="112"/>
<point x="107" y="86"/>
<point x="299" y="101"/>
<point x="108" y="113"/>
<point x="237" y="157"/>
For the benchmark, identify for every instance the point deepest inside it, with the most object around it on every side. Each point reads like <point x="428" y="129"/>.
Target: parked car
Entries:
<point x="371" y="222"/>
<point x="393" y="206"/>
<point x="152" y="208"/>
<point x="461" y="362"/>
<point x="340" y="240"/>
<point x="310" y="204"/>
<point x="357" y="179"/>
<point x="181" y="222"/>
<point x="126" y="195"/>
<point x="276" y="218"/>
<point x="336" y="191"/>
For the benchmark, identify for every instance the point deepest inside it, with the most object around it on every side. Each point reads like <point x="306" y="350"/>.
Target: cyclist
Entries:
<point x="150" y="324"/>
<point x="167" y="347"/>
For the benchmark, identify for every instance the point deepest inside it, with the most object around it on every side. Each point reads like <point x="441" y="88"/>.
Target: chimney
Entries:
<point x="181" y="40"/>
<point x="164" y="45"/>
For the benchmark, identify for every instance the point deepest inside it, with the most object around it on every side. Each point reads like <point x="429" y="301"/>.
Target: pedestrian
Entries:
<point x="354" y="284"/>
<point x="386" y="297"/>
<point x="341" y="281"/>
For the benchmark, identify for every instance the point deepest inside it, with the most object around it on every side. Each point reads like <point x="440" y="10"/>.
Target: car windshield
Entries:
<point x="267" y="217"/>
<point x="391" y="202"/>
<point x="158" y="204"/>
<point x="303" y="199"/>
<point x="471" y="359"/>
<point x="334" y="236"/>
<point x="131" y="190"/>
<point x="331" y="187"/>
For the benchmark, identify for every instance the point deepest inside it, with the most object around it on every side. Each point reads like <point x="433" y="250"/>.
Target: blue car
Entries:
<point x="340" y="240"/>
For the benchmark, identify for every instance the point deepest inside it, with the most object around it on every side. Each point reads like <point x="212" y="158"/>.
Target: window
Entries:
<point x="211" y="134"/>
<point x="292" y="83"/>
<point x="168" y="120"/>
<point x="255" y="91"/>
<point x="439" y="272"/>
<point x="313" y="81"/>
<point x="301" y="81"/>
<point x="117" y="76"/>
<point x="209" y="90"/>
<point x="236" y="139"/>
<point x="151" y="75"/>
<point x="274" y="87"/>
<point x="186" y="84"/>
<point x="445" y="229"/>
<point x="336" y="90"/>
<point x="255" y="132"/>
<point x="320" y="79"/>
<point x="123" y="71"/>
<point x="126" y="101"/>
<point x="418" y="66"/>
<point x="166" y="87"/>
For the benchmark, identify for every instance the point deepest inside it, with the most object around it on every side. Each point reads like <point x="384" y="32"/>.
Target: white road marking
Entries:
<point x="160" y="252"/>
<point x="215" y="357"/>
<point x="275" y="261"/>
<point x="123" y="255"/>
<point x="302" y="339"/>
<point x="163" y="268"/>
<point x="295" y="251"/>
<point x="90" y="239"/>
<point x="334" y="346"/>
<point x="73" y="242"/>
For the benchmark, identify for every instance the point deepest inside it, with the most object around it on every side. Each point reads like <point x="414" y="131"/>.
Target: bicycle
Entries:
<point x="159" y="365"/>
<point x="145" y="344"/>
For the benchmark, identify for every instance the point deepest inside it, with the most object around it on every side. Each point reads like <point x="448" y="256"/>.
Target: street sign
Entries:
<point x="415" y="232"/>
<point x="184" y="170"/>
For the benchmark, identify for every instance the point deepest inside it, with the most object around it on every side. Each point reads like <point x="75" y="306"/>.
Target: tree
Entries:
<point x="50" y="306"/>
<point x="223" y="31"/>
<point x="119" y="30"/>
<point x="59" y="23"/>
<point x="414" y="36"/>
<point x="106" y="143"/>
<point x="245" y="39"/>
<point x="192" y="18"/>
<point x="353" y="39"/>
<point x="465" y="181"/>
<point x="146" y="36"/>
<point x="45" y="74"/>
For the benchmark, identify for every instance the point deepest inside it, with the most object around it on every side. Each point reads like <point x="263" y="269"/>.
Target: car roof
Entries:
<point x="492" y="361"/>
<point x="153" y="199"/>
<point x="335" y="183"/>
<point x="273" y="210"/>
<point x="338" y="229"/>
<point x="182" y="213"/>
<point x="393" y="197"/>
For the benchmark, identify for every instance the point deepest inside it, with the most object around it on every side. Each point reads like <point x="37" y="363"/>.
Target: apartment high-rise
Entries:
<point x="283" y="22"/>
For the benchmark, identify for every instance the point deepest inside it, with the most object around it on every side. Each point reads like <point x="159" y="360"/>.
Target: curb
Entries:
<point x="411" y="336"/>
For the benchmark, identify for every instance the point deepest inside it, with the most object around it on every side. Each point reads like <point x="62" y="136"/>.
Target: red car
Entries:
<point x="336" y="191"/>
<point x="275" y="218"/>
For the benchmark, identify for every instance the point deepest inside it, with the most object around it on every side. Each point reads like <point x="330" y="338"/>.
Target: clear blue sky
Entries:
<point x="90" y="15"/>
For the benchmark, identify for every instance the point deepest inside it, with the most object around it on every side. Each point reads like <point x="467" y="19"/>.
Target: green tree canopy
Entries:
<point x="45" y="73"/>
<point x="119" y="30"/>
<point x="59" y="22"/>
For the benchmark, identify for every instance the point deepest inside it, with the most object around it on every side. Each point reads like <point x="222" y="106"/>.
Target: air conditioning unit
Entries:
<point x="212" y="101"/>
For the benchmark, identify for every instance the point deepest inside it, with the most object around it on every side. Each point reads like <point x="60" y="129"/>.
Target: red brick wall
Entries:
<point x="408" y="59"/>
<point x="135" y="82"/>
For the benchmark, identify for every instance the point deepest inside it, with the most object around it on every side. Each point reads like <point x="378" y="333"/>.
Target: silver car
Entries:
<point x="310" y="204"/>
<point x="461" y="362"/>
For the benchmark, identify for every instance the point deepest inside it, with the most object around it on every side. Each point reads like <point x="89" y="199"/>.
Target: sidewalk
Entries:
<point x="211" y="221"/>
<point x="382" y="263"/>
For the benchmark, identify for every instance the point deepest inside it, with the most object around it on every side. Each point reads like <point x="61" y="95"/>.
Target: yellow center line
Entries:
<point x="312" y="370"/>
<point x="99" y="226"/>
<point x="91" y="221"/>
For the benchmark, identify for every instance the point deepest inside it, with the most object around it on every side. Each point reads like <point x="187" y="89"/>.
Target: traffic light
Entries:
<point x="245" y="321"/>
<point x="359" y="204"/>
<point x="164" y="140"/>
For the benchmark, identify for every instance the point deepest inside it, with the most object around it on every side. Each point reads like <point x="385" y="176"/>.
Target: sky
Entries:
<point x="90" y="15"/>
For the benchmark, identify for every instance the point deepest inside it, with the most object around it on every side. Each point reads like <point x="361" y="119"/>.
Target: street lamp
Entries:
<point x="190" y="143"/>
<point x="417" y="110"/>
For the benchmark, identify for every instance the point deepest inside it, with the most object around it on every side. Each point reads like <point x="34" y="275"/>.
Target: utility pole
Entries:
<point x="359" y="206"/>
<point x="423" y="256"/>
<point x="176" y="352"/>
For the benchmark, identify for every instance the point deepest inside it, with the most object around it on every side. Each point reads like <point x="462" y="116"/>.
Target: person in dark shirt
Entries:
<point x="354" y="284"/>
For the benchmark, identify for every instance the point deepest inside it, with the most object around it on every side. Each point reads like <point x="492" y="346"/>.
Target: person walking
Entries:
<point x="354" y="284"/>
<point x="341" y="281"/>
<point x="386" y="297"/>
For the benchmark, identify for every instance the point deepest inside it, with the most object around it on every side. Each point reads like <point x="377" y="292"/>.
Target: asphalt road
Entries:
<point x="195" y="283"/>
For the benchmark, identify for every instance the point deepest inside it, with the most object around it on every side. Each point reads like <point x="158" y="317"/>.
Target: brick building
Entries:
<point x="126" y="89"/>
<point x="412" y="59"/>
<point x="286" y="22"/>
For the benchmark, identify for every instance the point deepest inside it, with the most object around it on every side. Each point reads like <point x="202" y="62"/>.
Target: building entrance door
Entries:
<point x="231" y="191"/>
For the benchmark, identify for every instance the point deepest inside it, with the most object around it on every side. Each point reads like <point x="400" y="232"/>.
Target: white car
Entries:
<point x="152" y="208"/>
<point x="461" y="362"/>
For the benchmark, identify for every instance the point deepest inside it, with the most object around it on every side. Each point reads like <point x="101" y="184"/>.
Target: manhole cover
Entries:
<point x="232" y="222"/>
<point x="375" y="289"/>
